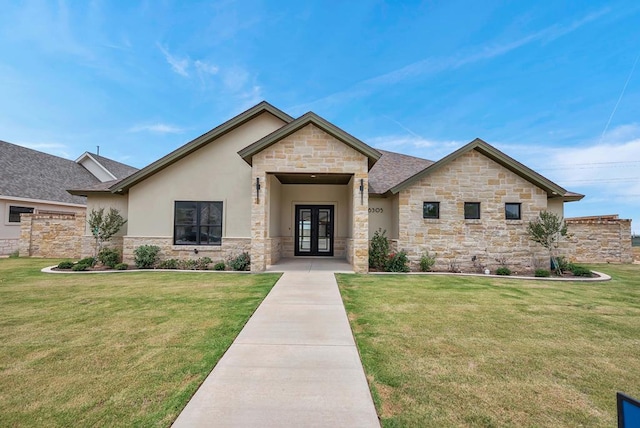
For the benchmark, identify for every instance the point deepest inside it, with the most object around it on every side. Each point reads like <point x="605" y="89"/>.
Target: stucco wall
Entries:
<point x="310" y="150"/>
<point x="381" y="216"/>
<point x="470" y="178"/>
<point x="107" y="201"/>
<point x="215" y="172"/>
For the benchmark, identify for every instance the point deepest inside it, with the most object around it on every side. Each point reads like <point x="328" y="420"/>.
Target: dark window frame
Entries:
<point x="20" y="210"/>
<point x="437" y="209"/>
<point x="506" y="212"/>
<point x="197" y="225"/>
<point x="472" y="204"/>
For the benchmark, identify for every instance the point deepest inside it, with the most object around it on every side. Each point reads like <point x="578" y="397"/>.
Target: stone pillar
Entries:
<point x="25" y="235"/>
<point x="259" y="221"/>
<point x="360" y="223"/>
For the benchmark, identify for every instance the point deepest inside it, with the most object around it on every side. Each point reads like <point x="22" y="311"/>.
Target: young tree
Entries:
<point x="104" y="226"/>
<point x="548" y="230"/>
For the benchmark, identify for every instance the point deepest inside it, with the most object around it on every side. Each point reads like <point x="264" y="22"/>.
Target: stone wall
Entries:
<point x="598" y="239"/>
<point x="309" y="150"/>
<point x="231" y="247"/>
<point x="8" y="246"/>
<point x="469" y="245"/>
<point x="52" y="235"/>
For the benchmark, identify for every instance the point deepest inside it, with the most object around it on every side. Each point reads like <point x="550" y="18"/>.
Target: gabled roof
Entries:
<point x="393" y="169"/>
<point x="116" y="170"/>
<point x="310" y="118"/>
<point x="202" y="140"/>
<point x="552" y="189"/>
<point x="27" y="173"/>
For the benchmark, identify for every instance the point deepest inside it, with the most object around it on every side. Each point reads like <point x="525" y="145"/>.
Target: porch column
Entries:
<point x="259" y="219"/>
<point x="360" y="223"/>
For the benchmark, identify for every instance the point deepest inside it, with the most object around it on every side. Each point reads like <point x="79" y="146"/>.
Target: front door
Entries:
<point x="314" y="230"/>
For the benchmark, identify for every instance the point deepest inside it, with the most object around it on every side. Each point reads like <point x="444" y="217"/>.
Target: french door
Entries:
<point x="314" y="230"/>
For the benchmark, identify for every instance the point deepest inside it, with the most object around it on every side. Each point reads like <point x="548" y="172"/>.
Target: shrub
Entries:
<point x="220" y="266"/>
<point x="109" y="257"/>
<point x="203" y="263"/>
<point x="240" y="263"/>
<point x="542" y="273"/>
<point x="65" y="265"/>
<point x="14" y="255"/>
<point x="503" y="270"/>
<point x="80" y="267"/>
<point x="89" y="261"/>
<point x="187" y="264"/>
<point x="121" y="266"/>
<point x="398" y="262"/>
<point x="168" y="264"/>
<point x="379" y="250"/>
<point x="581" y="271"/>
<point x="146" y="256"/>
<point x="563" y="264"/>
<point x="427" y="262"/>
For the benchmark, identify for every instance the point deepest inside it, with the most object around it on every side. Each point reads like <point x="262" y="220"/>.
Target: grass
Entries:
<point x="123" y="349"/>
<point x="472" y="351"/>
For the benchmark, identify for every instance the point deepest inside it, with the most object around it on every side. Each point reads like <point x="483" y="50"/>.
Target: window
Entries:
<point x="471" y="210"/>
<point x="512" y="211"/>
<point x="197" y="223"/>
<point x="431" y="210"/>
<point x="14" y="213"/>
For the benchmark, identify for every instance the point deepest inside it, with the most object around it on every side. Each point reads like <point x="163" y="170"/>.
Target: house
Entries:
<point x="277" y="186"/>
<point x="36" y="182"/>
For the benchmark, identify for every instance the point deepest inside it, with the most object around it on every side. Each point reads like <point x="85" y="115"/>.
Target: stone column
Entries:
<point x="259" y="218"/>
<point x="360" y="219"/>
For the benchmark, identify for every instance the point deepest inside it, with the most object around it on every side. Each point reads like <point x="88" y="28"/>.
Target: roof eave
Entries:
<point x="198" y="142"/>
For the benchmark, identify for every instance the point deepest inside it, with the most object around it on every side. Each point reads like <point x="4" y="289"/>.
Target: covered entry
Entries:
<point x="314" y="230"/>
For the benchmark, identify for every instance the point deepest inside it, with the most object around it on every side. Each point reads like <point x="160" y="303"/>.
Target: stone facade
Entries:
<point x="470" y="245"/>
<point x="231" y="247"/>
<point x="605" y="239"/>
<point x="309" y="150"/>
<point x="52" y="235"/>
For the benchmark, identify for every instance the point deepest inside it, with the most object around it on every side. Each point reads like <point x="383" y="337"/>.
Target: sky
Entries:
<point x="553" y="84"/>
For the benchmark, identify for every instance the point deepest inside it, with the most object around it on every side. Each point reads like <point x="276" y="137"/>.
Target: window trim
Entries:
<point x="437" y="206"/>
<point x="9" y="221"/>
<point x="519" y="205"/>
<point x="197" y="224"/>
<point x="472" y="204"/>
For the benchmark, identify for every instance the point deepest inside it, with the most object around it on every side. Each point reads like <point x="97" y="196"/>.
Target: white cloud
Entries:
<point x="416" y="145"/>
<point x="159" y="128"/>
<point x="178" y="65"/>
<point x="205" y="67"/>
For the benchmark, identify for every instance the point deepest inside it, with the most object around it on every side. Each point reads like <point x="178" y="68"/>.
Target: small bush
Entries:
<point x="168" y="264"/>
<point x="563" y="264"/>
<point x="146" y="256"/>
<point x="379" y="250"/>
<point x="503" y="270"/>
<point x="121" y="266"/>
<point x="581" y="271"/>
<point x="65" y="265"/>
<point x="240" y="263"/>
<point x="542" y="273"/>
<point x="427" y="262"/>
<point x="203" y="263"/>
<point x="14" y="255"/>
<point x="220" y="266"/>
<point x="398" y="262"/>
<point x="80" y="267"/>
<point x="187" y="264"/>
<point x="109" y="257"/>
<point x="89" y="261"/>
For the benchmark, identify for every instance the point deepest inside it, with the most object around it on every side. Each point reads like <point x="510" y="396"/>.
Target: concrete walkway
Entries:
<point x="295" y="364"/>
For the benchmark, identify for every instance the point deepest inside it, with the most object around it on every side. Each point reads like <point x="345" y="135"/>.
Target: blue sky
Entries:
<point x="556" y="85"/>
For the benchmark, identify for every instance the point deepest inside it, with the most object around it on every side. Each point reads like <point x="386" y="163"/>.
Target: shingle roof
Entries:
<point x="27" y="173"/>
<point x="392" y="169"/>
<point x="118" y="169"/>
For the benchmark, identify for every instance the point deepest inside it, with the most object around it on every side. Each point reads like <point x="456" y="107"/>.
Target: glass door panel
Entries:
<point x="314" y="230"/>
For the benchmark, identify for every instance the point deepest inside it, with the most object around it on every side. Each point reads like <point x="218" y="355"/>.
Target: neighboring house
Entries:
<point x="275" y="186"/>
<point x="32" y="181"/>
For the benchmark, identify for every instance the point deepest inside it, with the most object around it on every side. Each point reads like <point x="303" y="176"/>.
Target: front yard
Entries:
<point x="113" y="349"/>
<point x="459" y="351"/>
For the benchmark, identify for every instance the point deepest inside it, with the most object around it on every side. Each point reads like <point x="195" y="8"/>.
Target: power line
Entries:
<point x="587" y="165"/>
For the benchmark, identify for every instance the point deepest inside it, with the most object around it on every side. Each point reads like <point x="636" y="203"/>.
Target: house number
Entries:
<point x="375" y="210"/>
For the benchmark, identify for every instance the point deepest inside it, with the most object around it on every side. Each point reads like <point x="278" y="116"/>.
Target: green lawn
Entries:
<point x="123" y="349"/>
<point x="472" y="351"/>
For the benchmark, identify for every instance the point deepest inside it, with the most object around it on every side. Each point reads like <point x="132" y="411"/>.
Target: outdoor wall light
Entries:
<point x="257" y="190"/>
<point x="361" y="191"/>
<point x="195" y="251"/>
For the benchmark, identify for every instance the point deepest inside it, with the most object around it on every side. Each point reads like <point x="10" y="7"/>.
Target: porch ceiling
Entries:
<point x="318" y="178"/>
